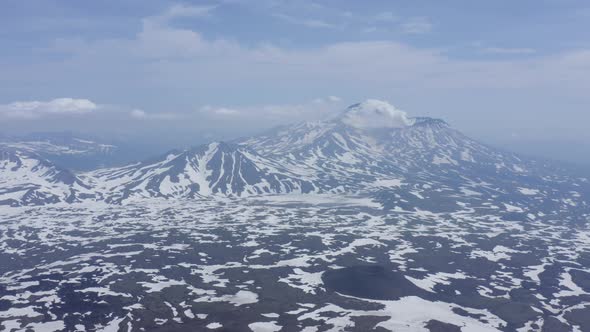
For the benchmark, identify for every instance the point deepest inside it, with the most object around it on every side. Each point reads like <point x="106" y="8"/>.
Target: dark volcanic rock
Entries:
<point x="371" y="282"/>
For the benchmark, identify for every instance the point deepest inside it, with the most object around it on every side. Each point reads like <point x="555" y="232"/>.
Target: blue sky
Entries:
<point x="513" y="73"/>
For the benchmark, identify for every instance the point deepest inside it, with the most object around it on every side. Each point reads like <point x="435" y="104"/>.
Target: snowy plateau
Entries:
<point x="369" y="221"/>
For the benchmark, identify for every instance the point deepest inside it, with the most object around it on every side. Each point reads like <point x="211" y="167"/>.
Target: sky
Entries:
<point x="515" y="74"/>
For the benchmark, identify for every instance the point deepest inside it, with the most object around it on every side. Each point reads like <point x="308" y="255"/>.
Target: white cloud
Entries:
<point x="141" y="114"/>
<point x="374" y="113"/>
<point x="173" y="59"/>
<point x="386" y="17"/>
<point x="329" y="99"/>
<point x="219" y="110"/>
<point x="189" y="69"/>
<point x="157" y="39"/>
<point x="182" y="10"/>
<point x="70" y="107"/>
<point x="307" y="22"/>
<point x="37" y="109"/>
<point x="416" y="25"/>
<point x="504" y="50"/>
<point x="176" y="58"/>
<point x="275" y="114"/>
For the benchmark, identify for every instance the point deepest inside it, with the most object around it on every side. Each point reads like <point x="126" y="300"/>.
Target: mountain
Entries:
<point x="65" y="149"/>
<point x="420" y="162"/>
<point x="57" y="144"/>
<point x="28" y="179"/>
<point x="79" y="152"/>
<point x="342" y="146"/>
<point x="352" y="148"/>
<point x="206" y="170"/>
<point x="371" y="149"/>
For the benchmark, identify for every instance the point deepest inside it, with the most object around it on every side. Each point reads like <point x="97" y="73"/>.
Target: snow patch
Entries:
<point x="264" y="327"/>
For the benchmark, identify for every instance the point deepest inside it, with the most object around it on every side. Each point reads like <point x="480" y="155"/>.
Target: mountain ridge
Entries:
<point x="395" y="159"/>
<point x="28" y="179"/>
<point x="212" y="169"/>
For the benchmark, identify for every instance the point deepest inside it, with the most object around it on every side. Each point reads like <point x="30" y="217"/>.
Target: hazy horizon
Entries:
<point x="191" y="70"/>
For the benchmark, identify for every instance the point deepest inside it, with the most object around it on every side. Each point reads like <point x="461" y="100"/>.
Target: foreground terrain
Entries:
<point x="289" y="263"/>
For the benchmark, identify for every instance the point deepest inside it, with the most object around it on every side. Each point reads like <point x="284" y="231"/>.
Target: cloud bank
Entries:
<point x="163" y="65"/>
<point x="38" y="109"/>
<point x="273" y="114"/>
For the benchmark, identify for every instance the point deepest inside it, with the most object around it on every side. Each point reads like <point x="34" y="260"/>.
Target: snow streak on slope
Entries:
<point x="26" y="179"/>
<point x="330" y="152"/>
<point x="213" y="169"/>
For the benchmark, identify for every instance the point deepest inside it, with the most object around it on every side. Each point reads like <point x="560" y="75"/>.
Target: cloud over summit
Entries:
<point x="374" y="113"/>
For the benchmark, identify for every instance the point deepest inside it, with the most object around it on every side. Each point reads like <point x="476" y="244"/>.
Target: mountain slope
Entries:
<point x="208" y="170"/>
<point x="27" y="179"/>
<point x="343" y="144"/>
<point x="411" y="163"/>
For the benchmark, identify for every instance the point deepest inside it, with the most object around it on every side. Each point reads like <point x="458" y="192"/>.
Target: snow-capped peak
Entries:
<point x="374" y="113"/>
